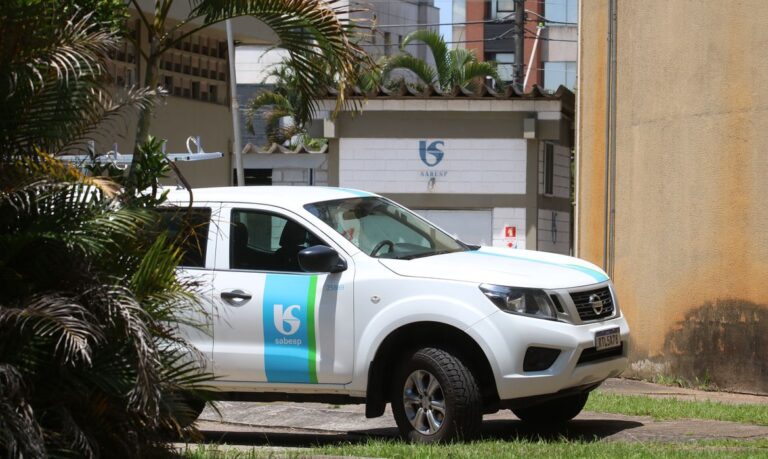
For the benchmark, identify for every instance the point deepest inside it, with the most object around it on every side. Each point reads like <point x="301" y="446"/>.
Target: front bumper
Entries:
<point x="506" y="337"/>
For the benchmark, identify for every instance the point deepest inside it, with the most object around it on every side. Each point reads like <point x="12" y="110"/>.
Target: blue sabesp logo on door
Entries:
<point x="431" y="154"/>
<point x="285" y="322"/>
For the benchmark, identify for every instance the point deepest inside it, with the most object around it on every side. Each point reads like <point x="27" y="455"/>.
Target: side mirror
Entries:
<point x="321" y="259"/>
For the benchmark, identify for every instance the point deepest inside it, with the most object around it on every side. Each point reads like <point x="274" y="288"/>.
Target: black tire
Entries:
<point x="555" y="411"/>
<point x="454" y="406"/>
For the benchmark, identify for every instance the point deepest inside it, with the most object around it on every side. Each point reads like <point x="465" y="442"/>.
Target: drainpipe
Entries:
<point x="235" y="107"/>
<point x="575" y="243"/>
<point x="610" y="146"/>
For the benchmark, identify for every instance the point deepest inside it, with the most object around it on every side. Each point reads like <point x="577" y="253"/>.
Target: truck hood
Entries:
<point x="517" y="268"/>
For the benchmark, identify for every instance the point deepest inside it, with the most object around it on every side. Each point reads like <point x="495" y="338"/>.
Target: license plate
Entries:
<point x="607" y="339"/>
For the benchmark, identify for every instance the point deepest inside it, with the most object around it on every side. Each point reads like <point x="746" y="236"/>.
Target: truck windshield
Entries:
<point x="383" y="229"/>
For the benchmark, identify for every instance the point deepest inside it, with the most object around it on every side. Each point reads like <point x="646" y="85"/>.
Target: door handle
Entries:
<point x="236" y="297"/>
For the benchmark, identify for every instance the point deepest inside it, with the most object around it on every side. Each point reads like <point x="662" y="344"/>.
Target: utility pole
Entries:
<point x="519" y="50"/>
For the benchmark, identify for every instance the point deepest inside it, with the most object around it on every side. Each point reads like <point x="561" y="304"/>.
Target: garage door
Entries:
<point x="470" y="226"/>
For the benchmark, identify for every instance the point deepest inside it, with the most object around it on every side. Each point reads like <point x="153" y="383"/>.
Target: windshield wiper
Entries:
<point x="424" y="254"/>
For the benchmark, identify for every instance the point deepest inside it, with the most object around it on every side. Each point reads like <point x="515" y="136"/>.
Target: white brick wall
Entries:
<point x="562" y="171"/>
<point x="554" y="238"/>
<point x="508" y="216"/>
<point x="290" y="169"/>
<point x="468" y="166"/>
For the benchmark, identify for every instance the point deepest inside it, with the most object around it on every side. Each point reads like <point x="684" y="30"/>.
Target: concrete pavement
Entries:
<point x="309" y="424"/>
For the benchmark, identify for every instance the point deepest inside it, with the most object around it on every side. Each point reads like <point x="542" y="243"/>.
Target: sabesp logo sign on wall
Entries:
<point x="431" y="154"/>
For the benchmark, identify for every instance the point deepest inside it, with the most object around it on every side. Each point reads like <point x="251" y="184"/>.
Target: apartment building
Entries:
<point x="195" y="73"/>
<point x="549" y="43"/>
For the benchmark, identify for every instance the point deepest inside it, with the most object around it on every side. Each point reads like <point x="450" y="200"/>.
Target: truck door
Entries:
<point x="276" y="323"/>
<point x="195" y="230"/>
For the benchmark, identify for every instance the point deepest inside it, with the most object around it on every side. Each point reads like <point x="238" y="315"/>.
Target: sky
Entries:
<point x="446" y="13"/>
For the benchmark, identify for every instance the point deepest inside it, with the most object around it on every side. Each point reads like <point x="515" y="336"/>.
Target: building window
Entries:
<point x="254" y="177"/>
<point x="387" y="43"/>
<point x="505" y="65"/>
<point x="559" y="73"/>
<point x="549" y="169"/>
<point x="561" y="11"/>
<point x="505" y="6"/>
<point x="213" y="93"/>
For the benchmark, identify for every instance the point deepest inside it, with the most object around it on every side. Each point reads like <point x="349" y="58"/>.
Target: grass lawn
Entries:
<point x="667" y="408"/>
<point x="506" y="449"/>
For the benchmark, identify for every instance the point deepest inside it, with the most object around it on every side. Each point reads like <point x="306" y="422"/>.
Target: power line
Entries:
<point x="488" y="21"/>
<point x="467" y="41"/>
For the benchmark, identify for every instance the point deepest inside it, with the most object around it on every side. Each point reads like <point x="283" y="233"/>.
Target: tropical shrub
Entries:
<point x="453" y="67"/>
<point x="91" y="362"/>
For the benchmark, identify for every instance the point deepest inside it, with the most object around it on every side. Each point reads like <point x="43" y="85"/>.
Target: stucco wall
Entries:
<point x="175" y="120"/>
<point x="691" y="246"/>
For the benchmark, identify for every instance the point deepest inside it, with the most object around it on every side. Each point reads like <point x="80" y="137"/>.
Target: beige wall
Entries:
<point x="175" y="120"/>
<point x="691" y="245"/>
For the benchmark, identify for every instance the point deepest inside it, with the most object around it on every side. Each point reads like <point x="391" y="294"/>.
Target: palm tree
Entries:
<point x="285" y="98"/>
<point x="277" y="103"/>
<point x="315" y="37"/>
<point x="90" y="360"/>
<point x="455" y="67"/>
<point x="53" y="82"/>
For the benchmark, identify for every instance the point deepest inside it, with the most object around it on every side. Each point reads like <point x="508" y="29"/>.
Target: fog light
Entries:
<point x="539" y="358"/>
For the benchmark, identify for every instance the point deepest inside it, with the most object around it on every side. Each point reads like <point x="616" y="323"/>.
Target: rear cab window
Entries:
<point x="189" y="228"/>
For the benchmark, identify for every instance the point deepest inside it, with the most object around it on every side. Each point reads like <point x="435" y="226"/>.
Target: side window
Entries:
<point x="189" y="228"/>
<point x="263" y="241"/>
<point x="549" y="169"/>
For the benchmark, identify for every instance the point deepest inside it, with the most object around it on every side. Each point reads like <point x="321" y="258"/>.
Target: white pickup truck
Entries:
<point x="342" y="296"/>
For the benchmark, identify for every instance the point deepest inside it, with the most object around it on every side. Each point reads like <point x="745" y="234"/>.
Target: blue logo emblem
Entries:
<point x="431" y="154"/>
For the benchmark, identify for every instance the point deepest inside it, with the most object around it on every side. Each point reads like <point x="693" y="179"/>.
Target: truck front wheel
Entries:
<point x="435" y="398"/>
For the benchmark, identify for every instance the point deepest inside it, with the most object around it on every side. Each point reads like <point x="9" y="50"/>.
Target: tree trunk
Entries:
<point x="145" y="116"/>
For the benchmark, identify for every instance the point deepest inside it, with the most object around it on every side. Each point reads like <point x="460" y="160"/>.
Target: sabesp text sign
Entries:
<point x="441" y="165"/>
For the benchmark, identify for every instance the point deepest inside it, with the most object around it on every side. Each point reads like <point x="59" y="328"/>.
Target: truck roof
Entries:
<point x="288" y="196"/>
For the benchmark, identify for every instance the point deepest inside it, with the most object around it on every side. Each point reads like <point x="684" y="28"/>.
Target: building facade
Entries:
<point x="549" y="38"/>
<point x="490" y="169"/>
<point x="671" y="181"/>
<point x="196" y="75"/>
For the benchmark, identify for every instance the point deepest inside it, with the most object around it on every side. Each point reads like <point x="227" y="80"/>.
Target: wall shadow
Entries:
<point x="723" y="342"/>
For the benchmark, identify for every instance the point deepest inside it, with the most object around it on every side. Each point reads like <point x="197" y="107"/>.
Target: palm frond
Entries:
<point x="413" y="64"/>
<point x="60" y="318"/>
<point x="20" y="434"/>
<point x="256" y="105"/>
<point x="437" y="47"/>
<point x="56" y="96"/>
<point x="316" y="39"/>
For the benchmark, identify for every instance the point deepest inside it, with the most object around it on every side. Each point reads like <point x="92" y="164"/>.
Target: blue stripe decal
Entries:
<point x="596" y="275"/>
<point x="358" y="193"/>
<point x="286" y="337"/>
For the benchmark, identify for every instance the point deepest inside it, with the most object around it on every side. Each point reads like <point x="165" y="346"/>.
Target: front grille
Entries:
<point x="593" y="355"/>
<point x="584" y="306"/>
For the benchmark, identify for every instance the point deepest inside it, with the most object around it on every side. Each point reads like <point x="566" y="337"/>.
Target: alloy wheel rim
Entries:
<point x="424" y="402"/>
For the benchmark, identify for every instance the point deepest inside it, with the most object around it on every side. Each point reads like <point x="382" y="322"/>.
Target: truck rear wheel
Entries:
<point x="555" y="411"/>
<point x="435" y="398"/>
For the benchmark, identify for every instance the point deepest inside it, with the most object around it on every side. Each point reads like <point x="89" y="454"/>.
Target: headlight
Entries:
<point x="523" y="301"/>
